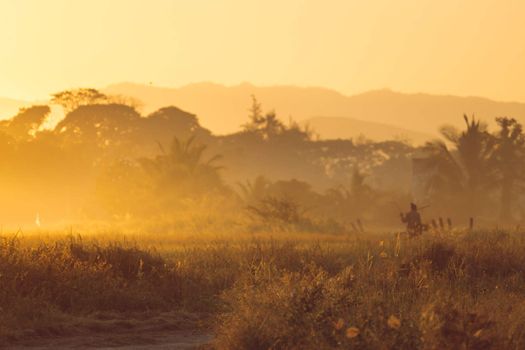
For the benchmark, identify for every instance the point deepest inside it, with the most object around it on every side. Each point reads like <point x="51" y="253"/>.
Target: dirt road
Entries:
<point x="165" y="331"/>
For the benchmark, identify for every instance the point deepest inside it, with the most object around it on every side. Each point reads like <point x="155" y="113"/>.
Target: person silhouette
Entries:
<point x="412" y="219"/>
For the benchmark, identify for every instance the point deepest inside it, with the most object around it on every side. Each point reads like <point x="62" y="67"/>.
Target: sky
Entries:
<point x="458" y="47"/>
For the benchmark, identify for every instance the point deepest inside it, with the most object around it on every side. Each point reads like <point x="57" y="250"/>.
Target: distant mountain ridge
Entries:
<point x="223" y="109"/>
<point x="341" y="128"/>
<point x="377" y="115"/>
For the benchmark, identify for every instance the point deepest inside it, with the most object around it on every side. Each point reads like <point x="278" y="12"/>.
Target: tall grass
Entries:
<point x="458" y="291"/>
<point x="432" y="293"/>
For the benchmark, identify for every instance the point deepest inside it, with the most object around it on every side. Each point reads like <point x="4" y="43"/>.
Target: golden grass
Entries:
<point x="278" y="290"/>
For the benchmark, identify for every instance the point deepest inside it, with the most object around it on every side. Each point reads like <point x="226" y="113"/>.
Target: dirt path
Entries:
<point x="158" y="340"/>
<point x="166" y="331"/>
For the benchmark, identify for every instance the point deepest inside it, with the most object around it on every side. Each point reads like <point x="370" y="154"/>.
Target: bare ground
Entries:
<point x="163" y="331"/>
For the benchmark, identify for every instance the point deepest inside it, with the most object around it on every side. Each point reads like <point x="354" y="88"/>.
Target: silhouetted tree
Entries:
<point x="254" y="191"/>
<point x="255" y="117"/>
<point x="105" y="125"/>
<point x="509" y="158"/>
<point x="271" y="126"/>
<point x="266" y="126"/>
<point x="358" y="188"/>
<point x="273" y="210"/>
<point x="465" y="171"/>
<point x="294" y="131"/>
<point x="474" y="147"/>
<point x="133" y="102"/>
<point x="26" y="123"/>
<point x="183" y="169"/>
<point x="72" y="99"/>
<point x="162" y="125"/>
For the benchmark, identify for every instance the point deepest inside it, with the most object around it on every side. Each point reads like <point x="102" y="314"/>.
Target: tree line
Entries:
<point x="104" y="160"/>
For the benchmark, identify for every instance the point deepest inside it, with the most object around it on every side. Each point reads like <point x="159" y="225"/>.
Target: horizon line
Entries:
<point x="34" y="100"/>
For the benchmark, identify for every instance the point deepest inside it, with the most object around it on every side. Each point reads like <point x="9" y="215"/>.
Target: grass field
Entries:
<point x="452" y="290"/>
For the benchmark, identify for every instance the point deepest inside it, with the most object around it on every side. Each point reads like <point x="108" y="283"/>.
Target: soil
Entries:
<point x="163" y="331"/>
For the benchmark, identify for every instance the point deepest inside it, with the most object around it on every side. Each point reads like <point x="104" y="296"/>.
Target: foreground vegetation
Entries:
<point x="445" y="290"/>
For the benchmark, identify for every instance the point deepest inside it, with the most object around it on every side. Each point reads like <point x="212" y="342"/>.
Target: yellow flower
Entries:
<point x="394" y="322"/>
<point x="352" y="332"/>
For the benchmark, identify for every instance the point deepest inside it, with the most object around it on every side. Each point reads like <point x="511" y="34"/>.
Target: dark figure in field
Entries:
<point x="413" y="221"/>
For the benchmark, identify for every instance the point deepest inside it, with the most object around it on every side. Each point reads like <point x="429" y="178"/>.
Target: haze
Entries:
<point x="242" y="174"/>
<point x="446" y="47"/>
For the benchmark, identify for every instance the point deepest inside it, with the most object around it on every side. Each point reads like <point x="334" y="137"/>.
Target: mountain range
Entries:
<point x="380" y="114"/>
<point x="376" y="115"/>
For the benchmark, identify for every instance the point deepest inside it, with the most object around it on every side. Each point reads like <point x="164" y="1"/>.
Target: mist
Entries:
<point x="104" y="162"/>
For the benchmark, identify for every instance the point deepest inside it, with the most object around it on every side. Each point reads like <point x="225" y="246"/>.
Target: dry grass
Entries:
<point x="459" y="291"/>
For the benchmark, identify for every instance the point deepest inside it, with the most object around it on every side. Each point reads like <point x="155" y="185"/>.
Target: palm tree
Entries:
<point x="183" y="167"/>
<point x="254" y="191"/>
<point x="464" y="171"/>
<point x="190" y="155"/>
<point x="353" y="200"/>
<point x="474" y="147"/>
<point x="509" y="158"/>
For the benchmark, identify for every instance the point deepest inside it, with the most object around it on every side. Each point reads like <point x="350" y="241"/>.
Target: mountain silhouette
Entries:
<point x="376" y="114"/>
<point x="341" y="128"/>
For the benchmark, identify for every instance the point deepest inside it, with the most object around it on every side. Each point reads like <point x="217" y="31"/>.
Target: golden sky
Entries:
<point x="461" y="47"/>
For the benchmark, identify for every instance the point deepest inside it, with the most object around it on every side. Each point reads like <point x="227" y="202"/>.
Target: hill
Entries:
<point x="342" y="128"/>
<point x="223" y="109"/>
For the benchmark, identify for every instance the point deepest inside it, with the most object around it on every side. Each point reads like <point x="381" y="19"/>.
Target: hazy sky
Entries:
<point x="458" y="47"/>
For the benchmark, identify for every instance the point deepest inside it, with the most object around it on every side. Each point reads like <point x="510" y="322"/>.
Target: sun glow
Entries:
<point x="351" y="46"/>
